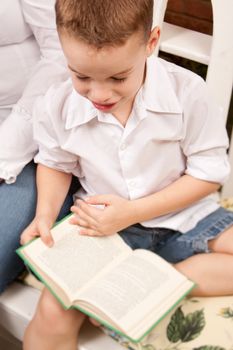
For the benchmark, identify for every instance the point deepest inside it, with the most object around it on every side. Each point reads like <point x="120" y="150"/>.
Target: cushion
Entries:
<point x="195" y="324"/>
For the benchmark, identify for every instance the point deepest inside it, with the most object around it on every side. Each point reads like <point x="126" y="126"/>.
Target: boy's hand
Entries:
<point x="117" y="213"/>
<point x="38" y="227"/>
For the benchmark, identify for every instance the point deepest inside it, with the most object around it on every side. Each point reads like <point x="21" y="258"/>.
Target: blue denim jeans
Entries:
<point x="175" y="246"/>
<point x="17" y="209"/>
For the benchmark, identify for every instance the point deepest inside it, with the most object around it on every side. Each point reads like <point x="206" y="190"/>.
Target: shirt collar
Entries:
<point x="158" y="92"/>
<point x="80" y="110"/>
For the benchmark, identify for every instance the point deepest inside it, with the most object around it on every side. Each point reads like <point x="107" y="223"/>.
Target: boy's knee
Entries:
<point x="52" y="318"/>
<point x="223" y="243"/>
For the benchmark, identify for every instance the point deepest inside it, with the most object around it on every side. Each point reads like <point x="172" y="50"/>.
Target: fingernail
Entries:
<point x="48" y="241"/>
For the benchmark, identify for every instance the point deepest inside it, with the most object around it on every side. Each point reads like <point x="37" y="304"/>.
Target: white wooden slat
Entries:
<point x="158" y="16"/>
<point x="220" y="69"/>
<point x="186" y="43"/>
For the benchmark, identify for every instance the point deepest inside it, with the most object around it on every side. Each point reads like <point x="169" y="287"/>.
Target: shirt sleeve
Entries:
<point x="50" y="135"/>
<point x="205" y="139"/>
<point x="20" y="148"/>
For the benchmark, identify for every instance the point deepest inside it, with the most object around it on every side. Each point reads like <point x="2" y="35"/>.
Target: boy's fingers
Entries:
<point x="78" y="221"/>
<point x="26" y="237"/>
<point x="46" y="235"/>
<point x="84" y="215"/>
<point x="100" y="199"/>
<point x="47" y="239"/>
<point x="89" y="232"/>
<point x="82" y="207"/>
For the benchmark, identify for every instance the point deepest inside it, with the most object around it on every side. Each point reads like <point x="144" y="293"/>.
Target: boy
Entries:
<point x="146" y="143"/>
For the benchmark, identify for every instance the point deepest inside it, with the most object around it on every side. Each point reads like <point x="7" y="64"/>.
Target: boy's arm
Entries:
<point x="52" y="188"/>
<point x="178" y="195"/>
<point x="120" y="213"/>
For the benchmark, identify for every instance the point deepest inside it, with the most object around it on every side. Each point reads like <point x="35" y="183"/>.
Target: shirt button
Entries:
<point x="122" y="146"/>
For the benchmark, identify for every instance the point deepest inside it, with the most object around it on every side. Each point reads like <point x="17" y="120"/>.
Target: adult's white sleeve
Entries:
<point x="17" y="146"/>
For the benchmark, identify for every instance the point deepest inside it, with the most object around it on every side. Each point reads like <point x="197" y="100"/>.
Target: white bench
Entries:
<point x="17" y="306"/>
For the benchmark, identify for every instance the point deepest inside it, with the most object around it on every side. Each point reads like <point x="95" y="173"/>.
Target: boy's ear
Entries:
<point x="153" y="40"/>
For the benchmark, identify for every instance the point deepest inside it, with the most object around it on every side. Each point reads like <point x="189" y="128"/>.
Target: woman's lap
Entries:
<point x="17" y="209"/>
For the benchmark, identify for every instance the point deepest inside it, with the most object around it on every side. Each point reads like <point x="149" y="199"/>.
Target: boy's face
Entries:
<point x="111" y="76"/>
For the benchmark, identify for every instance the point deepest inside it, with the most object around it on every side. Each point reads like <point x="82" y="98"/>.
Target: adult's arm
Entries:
<point x="17" y="146"/>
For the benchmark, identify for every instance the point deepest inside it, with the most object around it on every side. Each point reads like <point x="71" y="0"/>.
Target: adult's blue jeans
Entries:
<point x="17" y="209"/>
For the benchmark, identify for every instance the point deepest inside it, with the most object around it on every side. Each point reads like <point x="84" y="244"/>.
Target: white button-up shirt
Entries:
<point x="174" y="129"/>
<point x="31" y="60"/>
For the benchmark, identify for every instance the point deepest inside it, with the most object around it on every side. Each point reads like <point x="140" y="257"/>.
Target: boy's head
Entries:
<point x="104" y="22"/>
<point x="106" y="44"/>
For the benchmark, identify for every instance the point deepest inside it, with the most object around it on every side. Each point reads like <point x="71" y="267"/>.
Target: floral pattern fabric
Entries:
<point x="195" y="324"/>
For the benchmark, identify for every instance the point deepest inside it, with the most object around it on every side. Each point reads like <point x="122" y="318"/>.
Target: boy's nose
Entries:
<point x="100" y="94"/>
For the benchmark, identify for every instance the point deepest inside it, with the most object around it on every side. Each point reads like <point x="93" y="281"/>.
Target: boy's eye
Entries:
<point x="119" y="80"/>
<point x="81" y="78"/>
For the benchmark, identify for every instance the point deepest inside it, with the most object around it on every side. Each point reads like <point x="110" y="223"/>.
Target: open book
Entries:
<point x="127" y="290"/>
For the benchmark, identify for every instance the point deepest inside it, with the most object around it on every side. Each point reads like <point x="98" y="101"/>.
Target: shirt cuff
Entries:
<point x="213" y="169"/>
<point x="7" y="177"/>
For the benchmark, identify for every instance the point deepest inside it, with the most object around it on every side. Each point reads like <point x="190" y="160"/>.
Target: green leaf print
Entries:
<point x="192" y="326"/>
<point x="185" y="328"/>
<point x="173" y="328"/>
<point x="148" y="347"/>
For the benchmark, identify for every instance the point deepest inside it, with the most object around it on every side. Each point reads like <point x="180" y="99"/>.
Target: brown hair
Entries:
<point x="104" y="22"/>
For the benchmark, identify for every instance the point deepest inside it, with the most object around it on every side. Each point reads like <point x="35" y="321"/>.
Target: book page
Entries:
<point x="75" y="259"/>
<point x="133" y="287"/>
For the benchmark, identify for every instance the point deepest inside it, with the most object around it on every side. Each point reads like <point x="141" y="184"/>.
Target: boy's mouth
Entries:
<point x="103" y="107"/>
